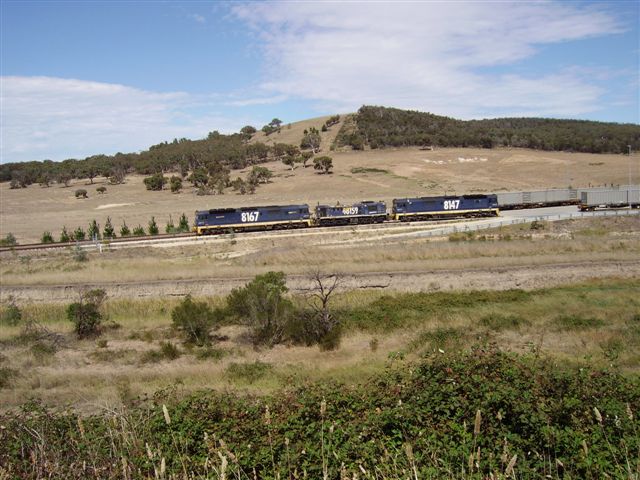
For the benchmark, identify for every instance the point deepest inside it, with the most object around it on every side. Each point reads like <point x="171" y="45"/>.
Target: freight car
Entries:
<point x="251" y="218"/>
<point x="357" y="213"/>
<point x="538" y="198"/>
<point x="432" y="208"/>
<point x="592" y="200"/>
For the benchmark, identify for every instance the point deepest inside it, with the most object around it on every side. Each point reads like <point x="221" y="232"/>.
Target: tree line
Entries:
<point x="380" y="127"/>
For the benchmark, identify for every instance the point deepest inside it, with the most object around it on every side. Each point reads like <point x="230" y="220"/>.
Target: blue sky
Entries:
<point x="82" y="78"/>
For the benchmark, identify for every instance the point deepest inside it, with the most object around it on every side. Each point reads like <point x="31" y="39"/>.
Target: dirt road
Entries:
<point x="496" y="278"/>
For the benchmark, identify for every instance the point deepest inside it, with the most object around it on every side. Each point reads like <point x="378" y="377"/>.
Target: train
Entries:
<point x="272" y="217"/>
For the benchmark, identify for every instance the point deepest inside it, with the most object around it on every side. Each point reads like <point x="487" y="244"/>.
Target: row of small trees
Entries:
<point x="108" y="231"/>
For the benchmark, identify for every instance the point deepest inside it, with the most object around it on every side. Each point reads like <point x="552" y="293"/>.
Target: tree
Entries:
<point x="328" y="326"/>
<point x="124" y="230"/>
<point x="94" y="230"/>
<point x="170" y="228"/>
<point x="276" y="123"/>
<point x="290" y="161"/>
<point x="64" y="178"/>
<point x="155" y="182"/>
<point x="261" y="305"/>
<point x="247" y="132"/>
<point x="323" y="163"/>
<point x="199" y="177"/>
<point x="109" y="231"/>
<point x="47" y="237"/>
<point x="85" y="314"/>
<point x="183" y="224"/>
<point x="64" y="235"/>
<point x="196" y="320"/>
<point x="153" y="226"/>
<point x="78" y="234"/>
<point x="138" y="231"/>
<point x="176" y="184"/>
<point x="311" y="140"/>
<point x="305" y="157"/>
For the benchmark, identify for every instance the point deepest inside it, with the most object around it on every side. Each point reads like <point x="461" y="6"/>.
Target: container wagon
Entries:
<point x="431" y="208"/>
<point x="358" y="213"/>
<point x="538" y="198"/>
<point x="590" y="201"/>
<point x="251" y="218"/>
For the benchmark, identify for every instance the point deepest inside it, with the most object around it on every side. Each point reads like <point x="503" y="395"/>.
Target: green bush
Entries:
<point x="176" y="184"/>
<point x="262" y="306"/>
<point x="248" y="372"/>
<point x="183" y="225"/>
<point x="108" y="231"/>
<point x="8" y="241"/>
<point x="93" y="232"/>
<point x="138" y="231"/>
<point x="196" y="320"/>
<point x="64" y="235"/>
<point x="153" y="227"/>
<point x="78" y="234"/>
<point x="11" y="314"/>
<point x="124" y="230"/>
<point x="155" y="182"/>
<point x="46" y="238"/>
<point x="86" y="315"/>
<point x="101" y="189"/>
<point x="167" y="351"/>
<point x="81" y="193"/>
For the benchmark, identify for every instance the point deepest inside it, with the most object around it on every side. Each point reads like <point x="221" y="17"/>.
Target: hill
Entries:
<point x="379" y="127"/>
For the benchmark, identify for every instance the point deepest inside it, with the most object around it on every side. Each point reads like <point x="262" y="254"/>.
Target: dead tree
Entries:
<point x="324" y="286"/>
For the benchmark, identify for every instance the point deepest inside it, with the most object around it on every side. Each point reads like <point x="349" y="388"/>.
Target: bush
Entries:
<point x="261" y="305"/>
<point x="101" y="189"/>
<point x="86" y="315"/>
<point x="196" y="320"/>
<point x="248" y="372"/>
<point x="8" y="241"/>
<point x="153" y="226"/>
<point x="176" y="184"/>
<point x="94" y="230"/>
<point x="183" y="225"/>
<point x="64" y="235"/>
<point x="324" y="164"/>
<point x="167" y="351"/>
<point x="124" y="230"/>
<point x="81" y="193"/>
<point x="79" y="255"/>
<point x="155" y="182"/>
<point x="12" y="315"/>
<point x="78" y="234"/>
<point x="138" y="231"/>
<point x="108" y="231"/>
<point x="210" y="353"/>
<point x="47" y="237"/>
<point x="170" y="228"/>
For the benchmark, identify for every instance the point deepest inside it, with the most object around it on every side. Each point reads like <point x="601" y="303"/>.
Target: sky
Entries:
<point x="79" y="78"/>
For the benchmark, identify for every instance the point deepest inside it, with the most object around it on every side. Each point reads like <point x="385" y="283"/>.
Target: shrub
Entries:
<point x="576" y="322"/>
<point x="124" y="230"/>
<point x="153" y="226"/>
<point x="167" y="351"/>
<point x="81" y="193"/>
<point x="78" y="234"/>
<point x="86" y="315"/>
<point x="46" y="237"/>
<point x="497" y="321"/>
<point x="101" y="189"/>
<point x="79" y="255"/>
<point x="261" y="305"/>
<point x="108" y="231"/>
<point x="183" y="225"/>
<point x="176" y="184"/>
<point x="64" y="235"/>
<point x="12" y="315"/>
<point x="195" y="320"/>
<point x="138" y="231"/>
<point x="248" y="372"/>
<point x="8" y="241"/>
<point x="94" y="230"/>
<point x="210" y="353"/>
<point x="155" y="182"/>
<point x="42" y="351"/>
<point x="170" y="228"/>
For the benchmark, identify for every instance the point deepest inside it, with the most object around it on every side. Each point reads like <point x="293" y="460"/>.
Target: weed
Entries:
<point x="42" y="351"/>
<point x="576" y="322"/>
<point x="499" y="322"/>
<point x="439" y="338"/>
<point x="7" y="374"/>
<point x="167" y="351"/>
<point x="248" y="372"/>
<point x="211" y="353"/>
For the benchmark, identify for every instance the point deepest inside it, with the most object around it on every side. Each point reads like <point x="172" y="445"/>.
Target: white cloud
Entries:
<point x="44" y="117"/>
<point x="197" y="18"/>
<point x="430" y="56"/>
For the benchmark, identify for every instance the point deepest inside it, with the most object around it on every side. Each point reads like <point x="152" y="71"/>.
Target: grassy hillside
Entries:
<point x="379" y="127"/>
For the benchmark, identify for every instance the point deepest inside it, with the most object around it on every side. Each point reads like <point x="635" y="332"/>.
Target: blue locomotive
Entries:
<point x="251" y="218"/>
<point x="430" y="208"/>
<point x="357" y="213"/>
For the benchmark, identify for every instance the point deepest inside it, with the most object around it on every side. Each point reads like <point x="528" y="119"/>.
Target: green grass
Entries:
<point x="248" y="372"/>
<point x="369" y="170"/>
<point x="576" y="322"/>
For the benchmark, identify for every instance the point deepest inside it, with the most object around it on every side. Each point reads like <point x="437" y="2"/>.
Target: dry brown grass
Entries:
<point x="27" y="213"/>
